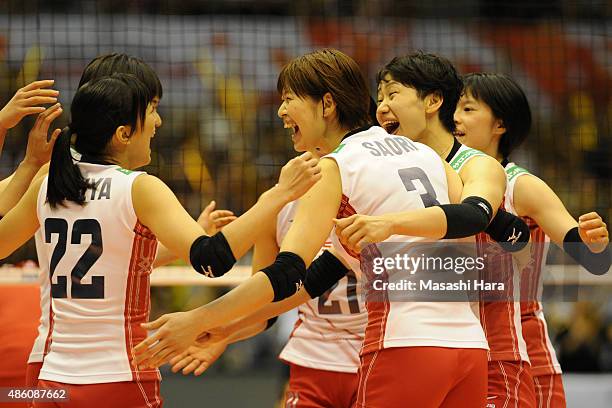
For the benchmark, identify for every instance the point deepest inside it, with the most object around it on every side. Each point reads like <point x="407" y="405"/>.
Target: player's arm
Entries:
<point x="310" y="228"/>
<point x="587" y="242"/>
<point x="21" y="222"/>
<point x="484" y="177"/>
<point x="158" y="208"/>
<point x="211" y="220"/>
<point x="38" y="154"/>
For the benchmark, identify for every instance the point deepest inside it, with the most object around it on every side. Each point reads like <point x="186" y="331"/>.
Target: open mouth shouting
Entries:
<point x="391" y="126"/>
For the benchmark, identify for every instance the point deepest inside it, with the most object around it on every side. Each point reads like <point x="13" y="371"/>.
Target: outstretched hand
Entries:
<point x="40" y="145"/>
<point x="213" y="220"/>
<point x="200" y="355"/>
<point x="175" y="333"/>
<point x="26" y="102"/>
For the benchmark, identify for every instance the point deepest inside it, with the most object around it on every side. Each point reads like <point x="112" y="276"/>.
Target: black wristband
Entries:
<point x="211" y="256"/>
<point x="597" y="264"/>
<point x="468" y="218"/>
<point x="286" y="275"/>
<point x="323" y="273"/>
<point x="511" y="232"/>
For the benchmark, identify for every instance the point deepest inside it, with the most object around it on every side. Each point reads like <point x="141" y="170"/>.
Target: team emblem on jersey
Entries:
<point x="208" y="272"/>
<point x="514" y="238"/>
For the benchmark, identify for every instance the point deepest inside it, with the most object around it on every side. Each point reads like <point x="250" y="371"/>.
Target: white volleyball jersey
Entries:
<point x="463" y="155"/>
<point x="330" y="329"/>
<point x="501" y="321"/>
<point x="100" y="258"/>
<point x="382" y="174"/>
<point x="535" y="330"/>
<point x="38" y="349"/>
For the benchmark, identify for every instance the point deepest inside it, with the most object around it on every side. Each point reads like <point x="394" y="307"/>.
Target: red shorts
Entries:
<point x="423" y="377"/>
<point x="127" y="394"/>
<point x="510" y="385"/>
<point x="312" y="388"/>
<point x="549" y="391"/>
<point x="32" y="371"/>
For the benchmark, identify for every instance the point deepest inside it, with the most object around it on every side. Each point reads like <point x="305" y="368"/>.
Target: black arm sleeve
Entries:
<point x="468" y="218"/>
<point x="597" y="264"/>
<point x="323" y="273"/>
<point x="511" y="232"/>
<point x="211" y="256"/>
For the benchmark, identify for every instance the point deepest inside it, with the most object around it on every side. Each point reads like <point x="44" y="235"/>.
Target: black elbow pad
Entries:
<point x="468" y="218"/>
<point x="511" y="232"/>
<point x="286" y="275"/>
<point x="323" y="273"/>
<point x="211" y="256"/>
<point x="597" y="264"/>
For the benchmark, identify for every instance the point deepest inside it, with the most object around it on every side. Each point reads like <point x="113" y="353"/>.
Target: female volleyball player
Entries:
<point x="406" y="357"/>
<point x="323" y="349"/>
<point x="211" y="221"/>
<point x="493" y="116"/>
<point x="417" y="97"/>
<point x="98" y="217"/>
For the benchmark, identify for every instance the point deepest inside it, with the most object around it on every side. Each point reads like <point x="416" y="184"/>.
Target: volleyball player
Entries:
<point x="409" y="355"/>
<point x="418" y="94"/>
<point x="95" y="319"/>
<point x="493" y="116"/>
<point x="323" y="348"/>
<point x="210" y="220"/>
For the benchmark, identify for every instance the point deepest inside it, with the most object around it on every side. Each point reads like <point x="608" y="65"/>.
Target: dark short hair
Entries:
<point x="507" y="102"/>
<point x="428" y="74"/>
<point x="118" y="63"/>
<point x="329" y="70"/>
<point x="98" y="108"/>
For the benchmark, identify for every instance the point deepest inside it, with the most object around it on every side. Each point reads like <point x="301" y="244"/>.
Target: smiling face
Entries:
<point x="139" y="149"/>
<point x="400" y="110"/>
<point x="476" y="126"/>
<point x="305" y="117"/>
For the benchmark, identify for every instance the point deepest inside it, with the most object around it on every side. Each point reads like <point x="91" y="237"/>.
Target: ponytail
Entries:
<point x="65" y="179"/>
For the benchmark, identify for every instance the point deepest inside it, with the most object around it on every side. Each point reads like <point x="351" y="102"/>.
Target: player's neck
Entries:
<point x="438" y="138"/>
<point x="331" y="141"/>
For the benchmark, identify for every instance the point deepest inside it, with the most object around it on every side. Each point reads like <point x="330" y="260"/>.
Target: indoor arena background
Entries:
<point x="218" y="61"/>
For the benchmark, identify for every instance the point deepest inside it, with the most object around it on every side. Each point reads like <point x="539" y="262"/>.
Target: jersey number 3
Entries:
<point x="78" y="290"/>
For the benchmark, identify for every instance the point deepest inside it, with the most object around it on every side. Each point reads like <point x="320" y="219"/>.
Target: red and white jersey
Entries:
<point x="38" y="349"/>
<point x="535" y="331"/>
<point x="501" y="321"/>
<point x="382" y="174"/>
<point x="100" y="258"/>
<point x="330" y="329"/>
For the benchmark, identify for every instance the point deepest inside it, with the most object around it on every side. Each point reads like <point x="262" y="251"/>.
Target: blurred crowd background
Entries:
<point x="218" y="61"/>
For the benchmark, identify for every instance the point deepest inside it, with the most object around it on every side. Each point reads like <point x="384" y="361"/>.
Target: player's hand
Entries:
<point x="593" y="232"/>
<point x="200" y="355"/>
<point x="40" y="146"/>
<point x="357" y="231"/>
<point x="26" y="102"/>
<point x="298" y="175"/>
<point x="213" y="220"/>
<point x="175" y="333"/>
